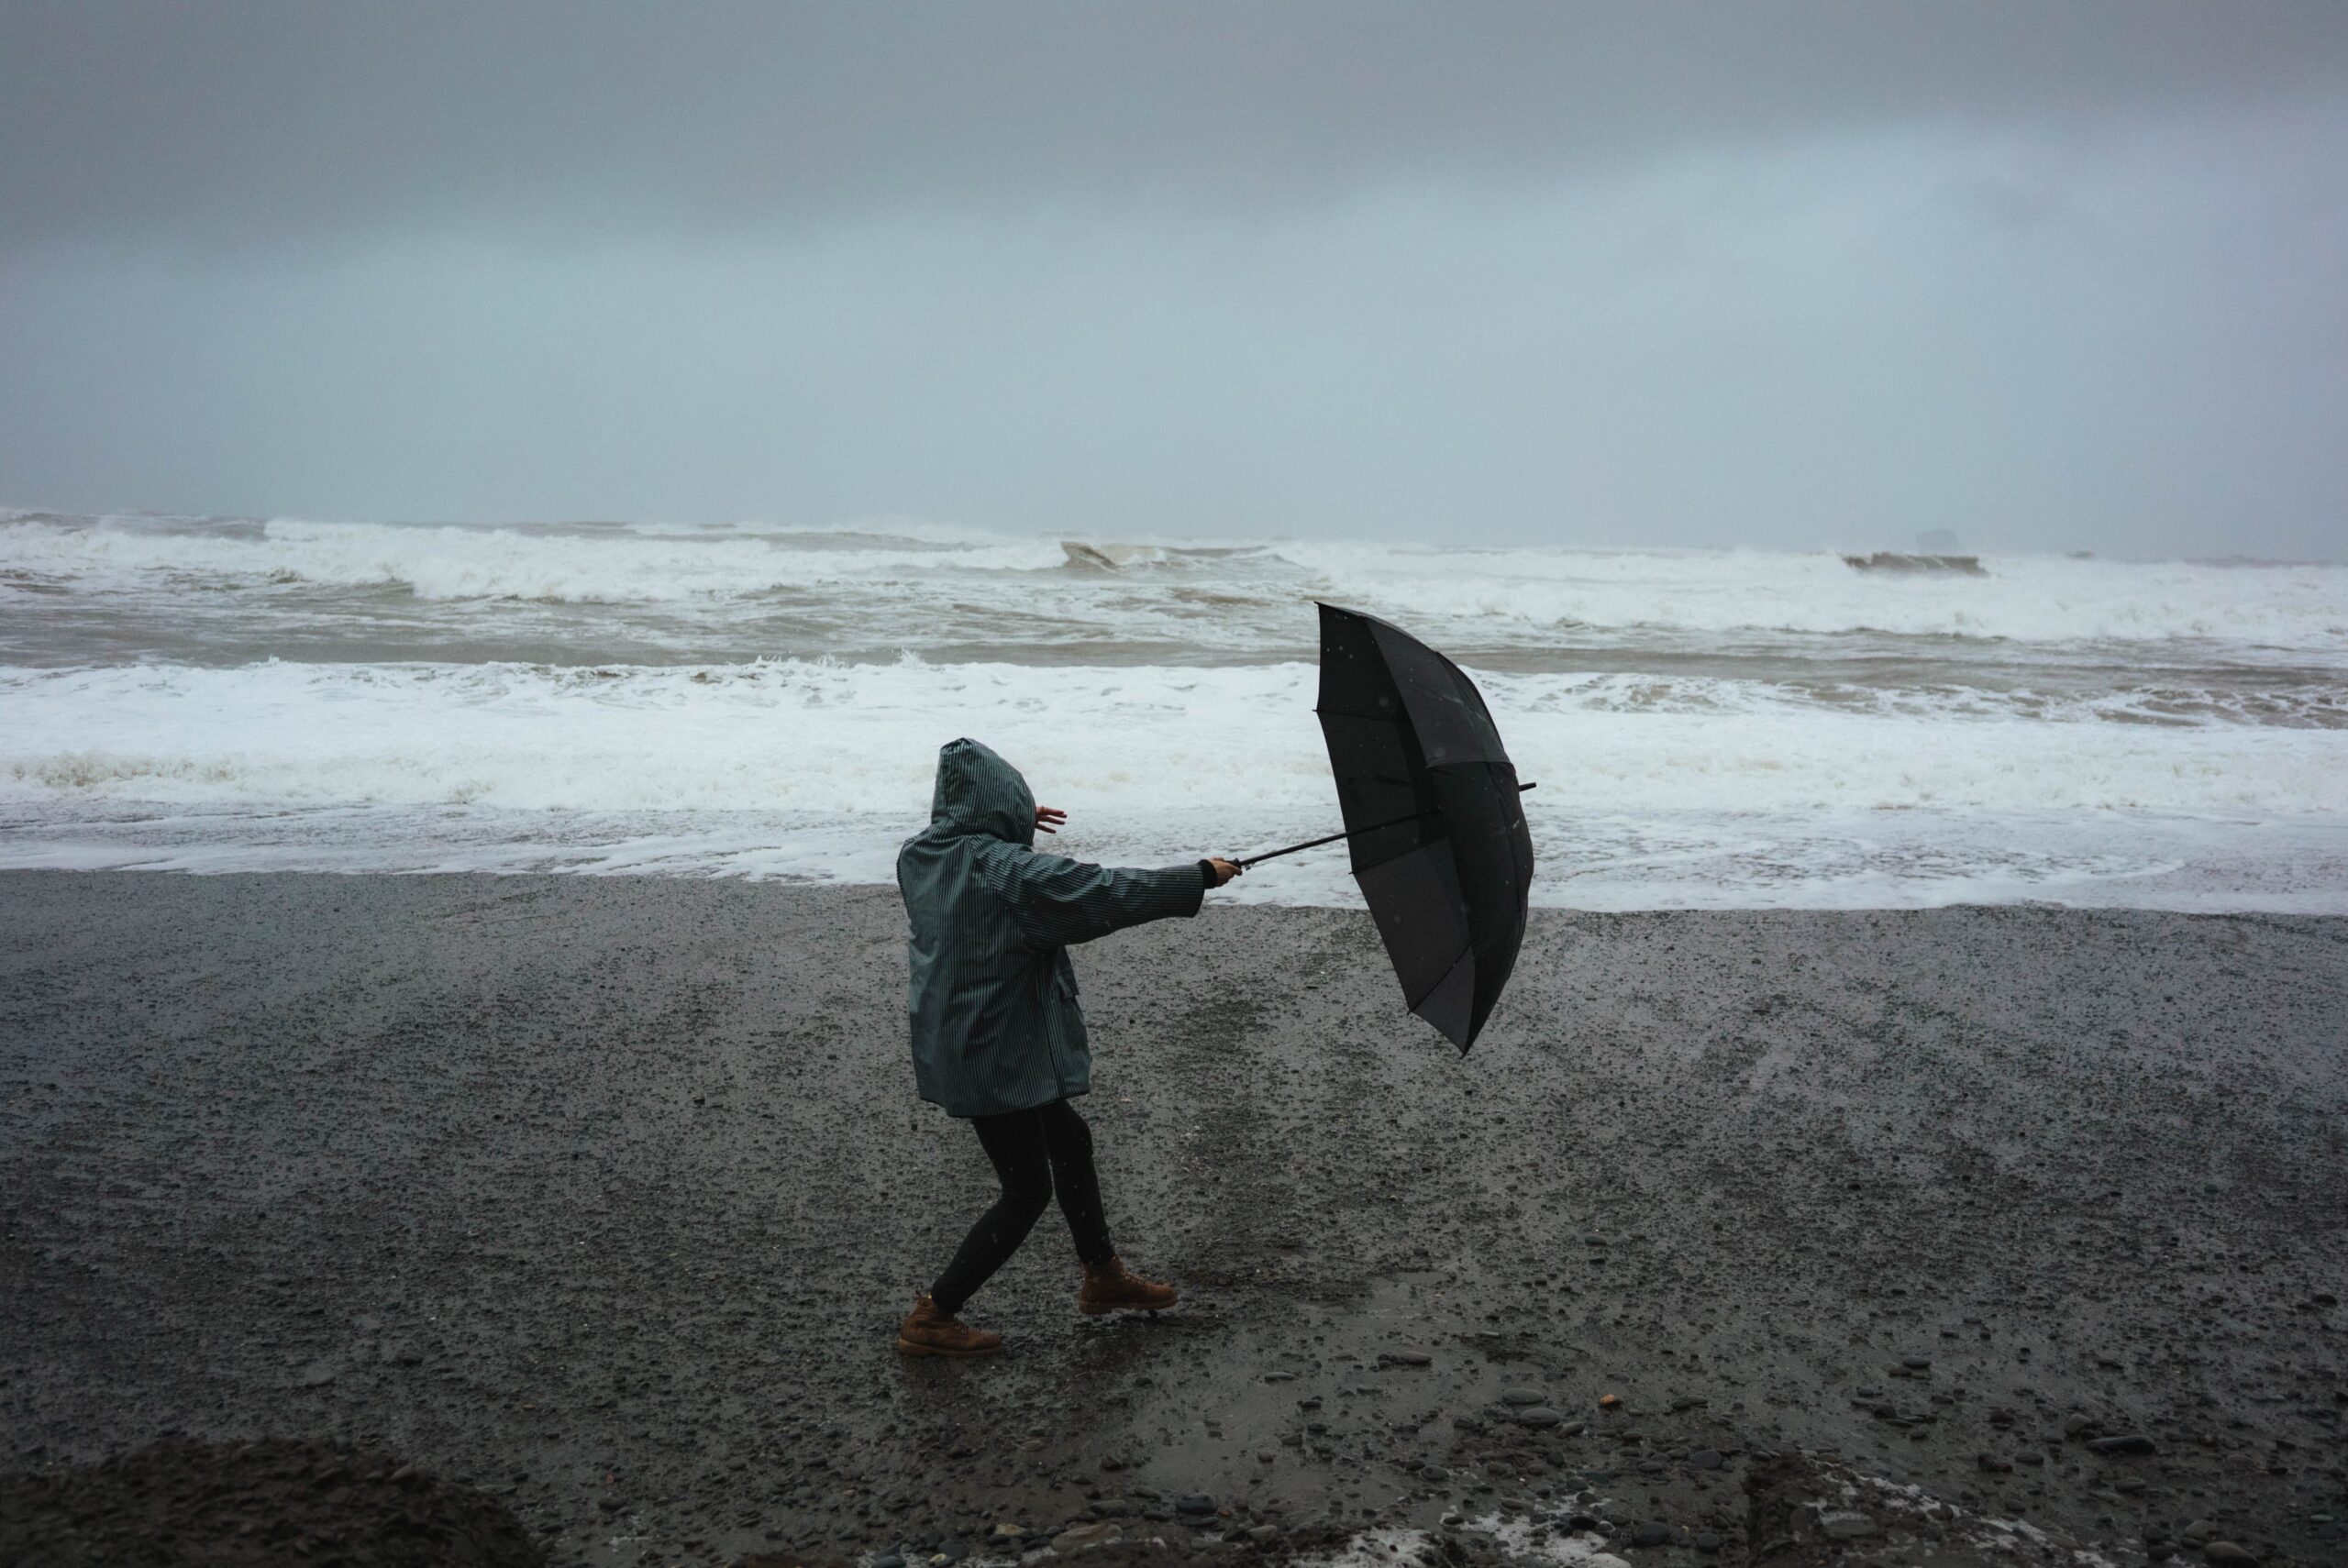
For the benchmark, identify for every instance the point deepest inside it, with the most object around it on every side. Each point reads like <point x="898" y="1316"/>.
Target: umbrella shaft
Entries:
<point x="1351" y="833"/>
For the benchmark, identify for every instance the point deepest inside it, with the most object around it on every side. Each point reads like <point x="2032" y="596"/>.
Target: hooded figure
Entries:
<point x="995" y="1022"/>
<point x="998" y="1037"/>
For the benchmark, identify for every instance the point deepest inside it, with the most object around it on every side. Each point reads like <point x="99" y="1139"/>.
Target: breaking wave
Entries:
<point x="1527" y="597"/>
<point x="1717" y="729"/>
<point x="860" y="740"/>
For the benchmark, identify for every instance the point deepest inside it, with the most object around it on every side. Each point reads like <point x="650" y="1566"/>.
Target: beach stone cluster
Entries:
<point x="255" y="1505"/>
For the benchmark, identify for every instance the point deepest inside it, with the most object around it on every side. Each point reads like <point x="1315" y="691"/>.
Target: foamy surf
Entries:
<point x="1709" y="729"/>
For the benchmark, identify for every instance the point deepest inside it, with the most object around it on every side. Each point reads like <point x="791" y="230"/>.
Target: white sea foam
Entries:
<point x="2024" y="598"/>
<point x="1709" y="728"/>
<point x="1728" y="797"/>
<point x="820" y="736"/>
<point x="1529" y="596"/>
<point x="1407" y="1548"/>
<point x="562" y="565"/>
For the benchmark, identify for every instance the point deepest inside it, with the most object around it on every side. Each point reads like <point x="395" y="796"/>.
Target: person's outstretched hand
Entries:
<point x="1224" y="870"/>
<point x="1048" y="819"/>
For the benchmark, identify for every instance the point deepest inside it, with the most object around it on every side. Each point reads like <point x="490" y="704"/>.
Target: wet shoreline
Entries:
<point x="605" y="1194"/>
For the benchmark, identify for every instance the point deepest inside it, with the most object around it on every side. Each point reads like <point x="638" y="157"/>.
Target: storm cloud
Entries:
<point x="1816" y="274"/>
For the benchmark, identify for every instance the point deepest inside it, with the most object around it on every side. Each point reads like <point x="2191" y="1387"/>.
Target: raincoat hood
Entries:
<point x="978" y="792"/>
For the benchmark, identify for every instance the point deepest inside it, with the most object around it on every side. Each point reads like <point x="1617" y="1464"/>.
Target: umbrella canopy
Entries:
<point x="1432" y="816"/>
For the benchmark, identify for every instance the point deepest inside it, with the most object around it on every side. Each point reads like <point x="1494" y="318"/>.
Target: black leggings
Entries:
<point x="1034" y="1152"/>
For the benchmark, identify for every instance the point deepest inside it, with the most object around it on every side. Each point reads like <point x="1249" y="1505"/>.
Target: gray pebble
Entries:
<point x="1707" y="1459"/>
<point x="2226" y="1554"/>
<point x="1650" y="1535"/>
<point x="1538" y="1416"/>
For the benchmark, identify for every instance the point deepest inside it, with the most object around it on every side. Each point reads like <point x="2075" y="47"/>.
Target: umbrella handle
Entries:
<point x="1353" y="833"/>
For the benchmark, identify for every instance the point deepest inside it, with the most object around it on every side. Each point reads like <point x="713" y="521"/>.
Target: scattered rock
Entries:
<point x="1406" y="1358"/>
<point x="240" y="1504"/>
<point x="2226" y="1554"/>
<point x="1194" y="1505"/>
<point x="1538" y="1416"/>
<point x="1084" y="1536"/>
<point x="2130" y="1443"/>
<point x="1520" y="1396"/>
<point x="1651" y="1535"/>
<point x="1707" y="1459"/>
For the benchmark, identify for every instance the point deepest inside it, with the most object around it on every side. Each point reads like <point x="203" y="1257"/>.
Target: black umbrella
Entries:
<point x="1432" y="816"/>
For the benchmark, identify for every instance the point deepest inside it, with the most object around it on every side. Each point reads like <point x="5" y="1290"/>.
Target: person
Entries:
<point x="998" y="1038"/>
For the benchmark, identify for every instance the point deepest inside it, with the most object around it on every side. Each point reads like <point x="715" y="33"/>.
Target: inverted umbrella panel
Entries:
<point x="1437" y="835"/>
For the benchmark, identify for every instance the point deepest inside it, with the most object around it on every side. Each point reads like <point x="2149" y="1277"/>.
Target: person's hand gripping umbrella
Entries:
<point x="1432" y="817"/>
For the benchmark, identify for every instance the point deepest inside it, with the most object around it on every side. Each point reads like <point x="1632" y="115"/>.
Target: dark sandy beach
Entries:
<point x="606" y="1195"/>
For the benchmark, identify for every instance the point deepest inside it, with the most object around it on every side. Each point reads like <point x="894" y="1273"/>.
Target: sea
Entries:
<point x="1739" y="729"/>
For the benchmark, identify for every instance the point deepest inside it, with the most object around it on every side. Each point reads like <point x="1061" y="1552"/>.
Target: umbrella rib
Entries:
<point x="1353" y="833"/>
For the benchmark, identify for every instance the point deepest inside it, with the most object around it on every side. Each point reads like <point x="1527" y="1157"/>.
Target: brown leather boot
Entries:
<point x="928" y="1330"/>
<point x="1113" y="1287"/>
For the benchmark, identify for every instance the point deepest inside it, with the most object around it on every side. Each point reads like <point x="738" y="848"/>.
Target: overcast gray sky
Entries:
<point x="2049" y="275"/>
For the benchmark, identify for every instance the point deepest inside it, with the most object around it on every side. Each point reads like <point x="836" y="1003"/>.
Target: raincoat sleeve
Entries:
<point x="1058" y="902"/>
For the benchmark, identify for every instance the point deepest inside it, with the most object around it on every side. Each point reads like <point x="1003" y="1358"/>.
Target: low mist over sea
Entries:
<point x="1738" y="729"/>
